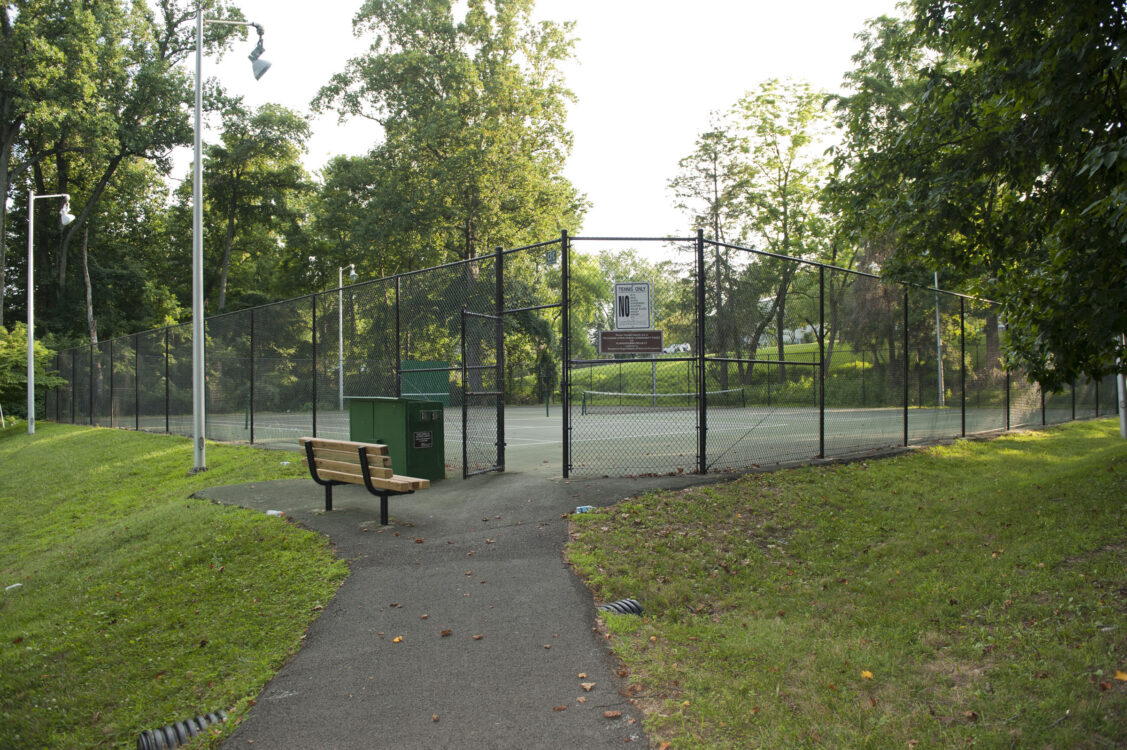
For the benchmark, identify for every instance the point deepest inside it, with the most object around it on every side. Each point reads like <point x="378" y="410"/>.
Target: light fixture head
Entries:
<point x="352" y="275"/>
<point x="258" y="65"/>
<point x="65" y="216"/>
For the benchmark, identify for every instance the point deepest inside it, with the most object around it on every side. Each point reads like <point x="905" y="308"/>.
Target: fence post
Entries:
<point x="59" y="368"/>
<point x="313" y="301"/>
<point x="136" y="383"/>
<point x="167" y="398"/>
<point x="250" y="403"/>
<point x="905" y="364"/>
<point x="73" y="389"/>
<point x="565" y="371"/>
<point x="91" y="386"/>
<point x="465" y="408"/>
<point x="396" y="363"/>
<point x="111" y="384"/>
<point x="821" y="361"/>
<point x="963" y="362"/>
<point x="1008" y="400"/>
<point x="702" y="376"/>
<point x="500" y="358"/>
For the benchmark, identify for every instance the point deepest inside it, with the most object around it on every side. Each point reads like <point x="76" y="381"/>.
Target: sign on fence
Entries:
<point x="630" y="342"/>
<point x="632" y="305"/>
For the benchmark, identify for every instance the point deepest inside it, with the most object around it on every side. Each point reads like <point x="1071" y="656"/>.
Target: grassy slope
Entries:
<point x="140" y="606"/>
<point x="982" y="585"/>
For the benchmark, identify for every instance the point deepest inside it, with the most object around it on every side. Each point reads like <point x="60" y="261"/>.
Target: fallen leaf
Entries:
<point x="478" y="637"/>
<point x="581" y="699"/>
<point x="547" y="645"/>
<point x="866" y="674"/>
<point x="970" y="716"/>
<point x="560" y="708"/>
<point x="419" y="540"/>
<point x="872" y="702"/>
<point x="445" y="633"/>
<point x="1105" y="686"/>
<point x="583" y="675"/>
<point x="1121" y="675"/>
<point x="434" y="717"/>
<point x="612" y="714"/>
<point x="587" y="686"/>
<point x="423" y="617"/>
<point x="397" y="639"/>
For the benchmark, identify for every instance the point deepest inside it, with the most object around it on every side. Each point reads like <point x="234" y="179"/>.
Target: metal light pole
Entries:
<point x="65" y="218"/>
<point x="259" y="66"/>
<point x="340" y="326"/>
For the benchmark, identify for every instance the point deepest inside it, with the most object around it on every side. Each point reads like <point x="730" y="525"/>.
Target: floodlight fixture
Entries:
<point x="258" y="65"/>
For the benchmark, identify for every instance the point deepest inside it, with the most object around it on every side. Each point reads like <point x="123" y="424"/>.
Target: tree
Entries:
<point x="46" y="71"/>
<point x="131" y="104"/>
<point x="1010" y="170"/>
<point x="785" y="126"/>
<point x="473" y="114"/>
<point x="251" y="180"/>
<point x="13" y="369"/>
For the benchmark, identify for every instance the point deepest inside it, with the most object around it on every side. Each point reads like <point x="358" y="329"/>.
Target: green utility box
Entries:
<point x="412" y="431"/>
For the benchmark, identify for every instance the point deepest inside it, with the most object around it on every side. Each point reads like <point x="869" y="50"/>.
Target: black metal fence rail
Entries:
<point x="868" y="364"/>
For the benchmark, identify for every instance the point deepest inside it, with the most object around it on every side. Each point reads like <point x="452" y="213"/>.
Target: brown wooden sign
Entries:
<point x="630" y="342"/>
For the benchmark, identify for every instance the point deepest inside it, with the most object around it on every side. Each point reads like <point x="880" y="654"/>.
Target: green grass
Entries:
<point x="981" y="584"/>
<point x="140" y="606"/>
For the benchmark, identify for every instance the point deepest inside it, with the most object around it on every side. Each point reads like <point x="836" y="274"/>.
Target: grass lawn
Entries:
<point x="140" y="606"/>
<point x="971" y="594"/>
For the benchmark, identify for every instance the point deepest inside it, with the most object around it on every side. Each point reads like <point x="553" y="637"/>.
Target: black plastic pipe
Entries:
<point x="175" y="735"/>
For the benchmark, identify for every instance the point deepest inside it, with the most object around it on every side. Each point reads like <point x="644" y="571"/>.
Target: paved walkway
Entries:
<point x="481" y="557"/>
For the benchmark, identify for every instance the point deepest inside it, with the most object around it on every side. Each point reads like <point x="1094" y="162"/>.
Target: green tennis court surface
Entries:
<point x="641" y="441"/>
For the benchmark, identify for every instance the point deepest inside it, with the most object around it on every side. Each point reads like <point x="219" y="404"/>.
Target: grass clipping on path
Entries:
<point x="140" y="606"/>
<point x="968" y="594"/>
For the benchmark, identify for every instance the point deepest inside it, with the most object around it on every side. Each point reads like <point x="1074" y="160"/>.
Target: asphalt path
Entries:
<point x="481" y="559"/>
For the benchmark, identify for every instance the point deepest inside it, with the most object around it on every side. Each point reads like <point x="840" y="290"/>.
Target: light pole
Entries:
<point x="65" y="218"/>
<point x="259" y="66"/>
<point x="340" y="326"/>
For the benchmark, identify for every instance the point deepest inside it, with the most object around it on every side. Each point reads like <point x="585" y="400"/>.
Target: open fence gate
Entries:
<point x="483" y="397"/>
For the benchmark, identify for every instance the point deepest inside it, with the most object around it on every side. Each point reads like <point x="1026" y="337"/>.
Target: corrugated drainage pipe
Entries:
<point x="623" y="607"/>
<point x="175" y="735"/>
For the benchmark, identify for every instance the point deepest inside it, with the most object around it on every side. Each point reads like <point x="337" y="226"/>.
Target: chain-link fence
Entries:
<point x="763" y="359"/>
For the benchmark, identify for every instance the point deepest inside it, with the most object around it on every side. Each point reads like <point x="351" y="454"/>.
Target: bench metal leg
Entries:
<point x="328" y="497"/>
<point x="383" y="509"/>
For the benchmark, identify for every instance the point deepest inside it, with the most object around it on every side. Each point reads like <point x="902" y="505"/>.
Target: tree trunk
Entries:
<point x="227" y="242"/>
<point x="90" y="322"/>
<point x="5" y="156"/>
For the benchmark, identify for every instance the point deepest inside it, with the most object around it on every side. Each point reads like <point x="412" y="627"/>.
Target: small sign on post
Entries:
<point x="632" y="309"/>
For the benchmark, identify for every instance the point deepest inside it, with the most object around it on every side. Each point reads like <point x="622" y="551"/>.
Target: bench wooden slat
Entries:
<point x="326" y="443"/>
<point x="351" y="457"/>
<point x="348" y="467"/>
<point x="392" y="483"/>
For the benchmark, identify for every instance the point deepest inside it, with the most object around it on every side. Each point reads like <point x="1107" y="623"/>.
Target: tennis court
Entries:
<point x="660" y="440"/>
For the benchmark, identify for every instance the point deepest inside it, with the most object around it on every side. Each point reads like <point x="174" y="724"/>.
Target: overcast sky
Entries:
<point x="646" y="74"/>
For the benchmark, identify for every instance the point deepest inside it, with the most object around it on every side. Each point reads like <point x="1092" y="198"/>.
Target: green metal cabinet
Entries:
<point x="412" y="431"/>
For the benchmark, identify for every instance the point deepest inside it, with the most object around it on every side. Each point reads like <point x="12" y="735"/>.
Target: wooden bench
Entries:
<point x="333" y="462"/>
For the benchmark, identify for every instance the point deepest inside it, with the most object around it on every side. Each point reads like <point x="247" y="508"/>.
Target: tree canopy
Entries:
<point x="989" y="141"/>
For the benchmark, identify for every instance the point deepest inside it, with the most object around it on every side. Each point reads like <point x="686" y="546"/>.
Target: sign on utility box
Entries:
<point x="632" y="308"/>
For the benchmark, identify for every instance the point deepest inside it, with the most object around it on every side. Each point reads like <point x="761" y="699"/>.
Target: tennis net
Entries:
<point x="605" y="402"/>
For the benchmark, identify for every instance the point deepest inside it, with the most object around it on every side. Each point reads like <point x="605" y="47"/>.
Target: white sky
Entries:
<point x="646" y="74"/>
